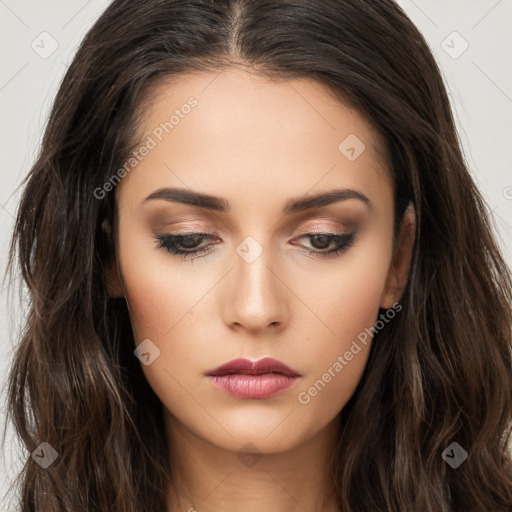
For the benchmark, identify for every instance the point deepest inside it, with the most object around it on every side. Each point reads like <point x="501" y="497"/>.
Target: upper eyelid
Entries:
<point x="325" y="221"/>
<point x="319" y="229"/>
<point x="210" y="236"/>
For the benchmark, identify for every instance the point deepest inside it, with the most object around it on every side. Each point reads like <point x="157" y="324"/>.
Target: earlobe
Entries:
<point x="113" y="283"/>
<point x="399" y="270"/>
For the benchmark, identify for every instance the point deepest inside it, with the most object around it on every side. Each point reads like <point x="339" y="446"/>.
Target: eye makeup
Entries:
<point x="189" y="245"/>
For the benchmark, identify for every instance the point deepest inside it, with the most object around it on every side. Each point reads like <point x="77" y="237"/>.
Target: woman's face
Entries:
<point x="265" y="285"/>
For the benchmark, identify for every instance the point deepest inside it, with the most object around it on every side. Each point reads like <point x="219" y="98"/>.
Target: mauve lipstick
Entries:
<point x="244" y="378"/>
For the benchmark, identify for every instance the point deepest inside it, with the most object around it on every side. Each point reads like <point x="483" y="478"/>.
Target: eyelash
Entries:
<point x="170" y="243"/>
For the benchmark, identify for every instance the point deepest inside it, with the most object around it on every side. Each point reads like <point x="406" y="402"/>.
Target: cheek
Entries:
<point x="167" y="306"/>
<point x="158" y="293"/>
<point x="346" y="296"/>
<point x="156" y="304"/>
<point x="161" y="309"/>
<point x="347" y="303"/>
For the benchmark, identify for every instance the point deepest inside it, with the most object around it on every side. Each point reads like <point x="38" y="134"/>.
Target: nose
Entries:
<point x="256" y="299"/>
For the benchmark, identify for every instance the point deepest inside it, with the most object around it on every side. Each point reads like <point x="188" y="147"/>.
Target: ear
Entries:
<point x="111" y="275"/>
<point x="113" y="283"/>
<point x="398" y="273"/>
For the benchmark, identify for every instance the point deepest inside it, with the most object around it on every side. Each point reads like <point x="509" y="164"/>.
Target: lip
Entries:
<point x="248" y="367"/>
<point x="244" y="378"/>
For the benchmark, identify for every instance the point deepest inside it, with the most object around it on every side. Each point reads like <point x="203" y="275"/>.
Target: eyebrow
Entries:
<point x="179" y="195"/>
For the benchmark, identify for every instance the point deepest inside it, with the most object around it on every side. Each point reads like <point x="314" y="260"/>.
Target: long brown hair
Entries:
<point x="440" y="373"/>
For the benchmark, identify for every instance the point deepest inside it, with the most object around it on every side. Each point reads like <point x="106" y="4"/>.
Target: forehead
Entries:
<point x="237" y="130"/>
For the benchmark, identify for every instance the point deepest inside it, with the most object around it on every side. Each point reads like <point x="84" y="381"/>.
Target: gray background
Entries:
<point x="479" y="80"/>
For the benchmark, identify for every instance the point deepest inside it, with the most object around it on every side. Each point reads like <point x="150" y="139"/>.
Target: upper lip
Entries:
<point x="248" y="367"/>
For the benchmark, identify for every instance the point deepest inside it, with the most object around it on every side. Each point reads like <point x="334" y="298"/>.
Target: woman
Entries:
<point x="260" y="274"/>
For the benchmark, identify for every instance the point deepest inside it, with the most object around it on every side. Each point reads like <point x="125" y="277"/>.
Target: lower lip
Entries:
<point x="253" y="386"/>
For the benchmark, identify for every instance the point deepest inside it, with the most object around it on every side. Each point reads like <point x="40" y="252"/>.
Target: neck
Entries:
<point x="209" y="478"/>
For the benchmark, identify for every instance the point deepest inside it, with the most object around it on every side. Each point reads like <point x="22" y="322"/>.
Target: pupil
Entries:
<point x="321" y="238"/>
<point x="190" y="241"/>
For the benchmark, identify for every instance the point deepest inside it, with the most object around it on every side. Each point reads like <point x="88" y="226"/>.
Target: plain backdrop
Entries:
<point x="471" y="40"/>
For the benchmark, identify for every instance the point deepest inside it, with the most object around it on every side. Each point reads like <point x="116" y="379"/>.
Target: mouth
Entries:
<point x="244" y="378"/>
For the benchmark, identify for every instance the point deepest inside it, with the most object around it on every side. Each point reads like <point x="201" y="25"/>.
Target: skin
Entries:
<point x="258" y="144"/>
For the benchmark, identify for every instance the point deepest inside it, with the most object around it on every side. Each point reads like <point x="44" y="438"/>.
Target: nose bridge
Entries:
<point x="257" y="293"/>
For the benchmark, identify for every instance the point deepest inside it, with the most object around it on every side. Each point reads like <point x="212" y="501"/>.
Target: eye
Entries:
<point x="190" y="244"/>
<point x="339" y="243"/>
<point x="184" y="244"/>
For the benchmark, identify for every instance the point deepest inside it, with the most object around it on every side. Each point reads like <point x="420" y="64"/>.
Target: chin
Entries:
<point x="271" y="431"/>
